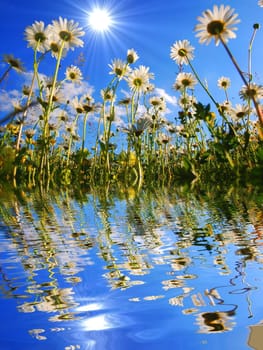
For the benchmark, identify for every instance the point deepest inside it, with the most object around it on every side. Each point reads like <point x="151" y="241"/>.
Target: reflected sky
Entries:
<point x="125" y="270"/>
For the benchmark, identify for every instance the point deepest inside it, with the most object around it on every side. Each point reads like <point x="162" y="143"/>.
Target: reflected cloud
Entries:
<point x="106" y="321"/>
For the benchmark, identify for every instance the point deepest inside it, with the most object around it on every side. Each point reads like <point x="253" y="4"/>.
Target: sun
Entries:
<point x="99" y="19"/>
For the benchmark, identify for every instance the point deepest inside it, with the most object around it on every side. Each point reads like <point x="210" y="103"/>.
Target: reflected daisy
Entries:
<point x="37" y="36"/>
<point x="217" y="24"/>
<point x="251" y="92"/>
<point x="73" y="74"/>
<point x="68" y="32"/>
<point x="184" y="81"/>
<point x="182" y="52"/>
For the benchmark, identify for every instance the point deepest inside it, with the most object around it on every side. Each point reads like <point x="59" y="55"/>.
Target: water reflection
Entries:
<point x="188" y="254"/>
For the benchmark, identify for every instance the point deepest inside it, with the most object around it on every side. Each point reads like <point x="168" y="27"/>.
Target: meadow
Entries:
<point x="44" y="138"/>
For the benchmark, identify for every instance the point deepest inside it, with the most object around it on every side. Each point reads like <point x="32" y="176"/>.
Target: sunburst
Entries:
<point x="100" y="20"/>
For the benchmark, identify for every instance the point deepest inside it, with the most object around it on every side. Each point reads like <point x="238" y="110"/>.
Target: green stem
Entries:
<point x="202" y="84"/>
<point x="256" y="104"/>
<point x="5" y="74"/>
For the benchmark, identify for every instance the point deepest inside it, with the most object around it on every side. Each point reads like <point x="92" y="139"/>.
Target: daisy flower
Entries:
<point x="88" y="104"/>
<point x="55" y="46"/>
<point x="118" y="67"/>
<point x="225" y="107"/>
<point x="14" y="63"/>
<point x="107" y="95"/>
<point x="57" y="95"/>
<point x="184" y="81"/>
<point x="163" y="138"/>
<point x="139" y="126"/>
<point x="223" y="83"/>
<point x="73" y="74"/>
<point x="217" y="24"/>
<point x="239" y="111"/>
<point x="132" y="56"/>
<point x="37" y="36"/>
<point x="251" y="92"/>
<point x="68" y="32"/>
<point x="187" y="101"/>
<point x="158" y="103"/>
<point x="149" y="88"/>
<point x="139" y="78"/>
<point x="77" y="105"/>
<point x="260" y="3"/>
<point x="182" y="52"/>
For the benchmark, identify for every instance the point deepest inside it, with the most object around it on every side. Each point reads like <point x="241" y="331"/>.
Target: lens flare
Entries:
<point x="100" y="20"/>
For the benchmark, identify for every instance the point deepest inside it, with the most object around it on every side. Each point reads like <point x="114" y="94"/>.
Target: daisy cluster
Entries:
<point x="197" y="136"/>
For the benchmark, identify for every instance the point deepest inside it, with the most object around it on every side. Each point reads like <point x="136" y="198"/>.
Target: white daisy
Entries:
<point x="37" y="36"/>
<point x="223" y="83"/>
<point x="217" y="24"/>
<point x="119" y="68"/>
<point x="185" y="81"/>
<point x="239" y="111"/>
<point x="73" y="74"/>
<point x="158" y="103"/>
<point x="138" y="79"/>
<point x="182" y="52"/>
<point x="68" y="32"/>
<point x="132" y="56"/>
<point x="14" y="63"/>
<point x="251" y="92"/>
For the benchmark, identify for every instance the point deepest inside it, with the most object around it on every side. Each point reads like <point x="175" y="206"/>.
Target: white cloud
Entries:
<point x="168" y="98"/>
<point x="71" y="90"/>
<point x="8" y="98"/>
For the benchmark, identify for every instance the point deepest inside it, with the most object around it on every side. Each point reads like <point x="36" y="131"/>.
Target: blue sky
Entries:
<point x="150" y="27"/>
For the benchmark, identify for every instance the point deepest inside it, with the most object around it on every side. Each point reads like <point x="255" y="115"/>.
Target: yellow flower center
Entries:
<point x="240" y="115"/>
<point x="251" y="93"/>
<point x="215" y="27"/>
<point x="130" y="59"/>
<point x="65" y="36"/>
<point x="14" y="63"/>
<point x="137" y="82"/>
<point x="182" y="52"/>
<point x="54" y="47"/>
<point x="72" y="76"/>
<point x="186" y="82"/>
<point x="40" y="37"/>
<point x="118" y="71"/>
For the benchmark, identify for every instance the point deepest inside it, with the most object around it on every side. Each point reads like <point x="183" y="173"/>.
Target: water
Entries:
<point x="150" y="269"/>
